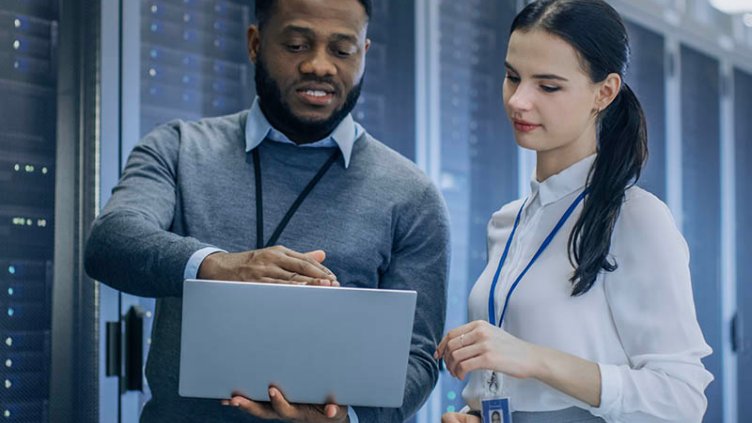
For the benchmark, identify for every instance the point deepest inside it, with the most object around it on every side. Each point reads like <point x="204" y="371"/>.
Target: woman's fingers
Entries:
<point x="470" y="347"/>
<point x="467" y="366"/>
<point x="455" y="333"/>
<point x="459" y="418"/>
<point x="456" y="357"/>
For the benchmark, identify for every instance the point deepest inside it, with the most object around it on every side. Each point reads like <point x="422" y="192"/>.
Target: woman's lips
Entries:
<point x="522" y="126"/>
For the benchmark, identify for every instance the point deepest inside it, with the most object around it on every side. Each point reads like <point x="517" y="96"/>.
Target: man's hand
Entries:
<point x="279" y="409"/>
<point x="270" y="265"/>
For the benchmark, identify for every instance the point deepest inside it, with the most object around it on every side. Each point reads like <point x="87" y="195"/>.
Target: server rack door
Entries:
<point x="646" y="76"/>
<point x="743" y="156"/>
<point x="386" y="107"/>
<point x="701" y="217"/>
<point x="28" y="32"/>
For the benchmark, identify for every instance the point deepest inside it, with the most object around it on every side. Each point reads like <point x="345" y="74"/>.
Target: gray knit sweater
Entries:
<point x="189" y="185"/>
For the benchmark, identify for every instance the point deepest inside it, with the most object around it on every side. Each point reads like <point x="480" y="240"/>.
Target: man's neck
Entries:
<point x="298" y="137"/>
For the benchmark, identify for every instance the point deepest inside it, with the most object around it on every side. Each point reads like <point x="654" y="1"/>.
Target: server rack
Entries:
<point x="701" y="204"/>
<point x="47" y="310"/>
<point x="742" y="324"/>
<point x="386" y="107"/>
<point x="193" y="60"/>
<point x="28" y="33"/>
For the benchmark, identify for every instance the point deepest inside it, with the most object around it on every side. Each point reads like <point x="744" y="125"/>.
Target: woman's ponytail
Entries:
<point x="622" y="151"/>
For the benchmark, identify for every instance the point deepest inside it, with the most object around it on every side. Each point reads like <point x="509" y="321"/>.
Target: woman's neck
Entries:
<point x="549" y="163"/>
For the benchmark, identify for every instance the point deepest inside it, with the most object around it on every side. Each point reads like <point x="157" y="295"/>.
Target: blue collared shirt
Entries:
<point x="258" y="129"/>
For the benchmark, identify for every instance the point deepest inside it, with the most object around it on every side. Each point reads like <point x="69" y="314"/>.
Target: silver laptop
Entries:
<point x="349" y="346"/>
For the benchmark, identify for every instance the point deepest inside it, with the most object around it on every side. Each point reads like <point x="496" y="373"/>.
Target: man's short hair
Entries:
<point x="264" y="9"/>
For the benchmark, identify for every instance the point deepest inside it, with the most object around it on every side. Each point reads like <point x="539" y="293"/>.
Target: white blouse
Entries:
<point x="638" y="322"/>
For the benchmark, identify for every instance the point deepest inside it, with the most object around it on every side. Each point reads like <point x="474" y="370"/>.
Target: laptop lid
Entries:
<point x="349" y="346"/>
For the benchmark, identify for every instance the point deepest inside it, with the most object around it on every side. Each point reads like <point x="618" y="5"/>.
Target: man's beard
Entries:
<point x="278" y="112"/>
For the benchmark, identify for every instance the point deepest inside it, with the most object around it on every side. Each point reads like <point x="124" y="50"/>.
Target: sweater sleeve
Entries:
<point x="650" y="298"/>
<point x="420" y="261"/>
<point x="130" y="246"/>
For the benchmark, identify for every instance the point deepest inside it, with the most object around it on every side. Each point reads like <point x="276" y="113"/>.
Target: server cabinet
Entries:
<point x="742" y="325"/>
<point x="46" y="311"/>
<point x="193" y="60"/>
<point x="701" y="204"/>
<point x="28" y="32"/>
<point x="647" y="77"/>
<point x="386" y="107"/>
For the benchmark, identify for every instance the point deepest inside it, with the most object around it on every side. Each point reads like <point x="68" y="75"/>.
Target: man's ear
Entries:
<point x="254" y="42"/>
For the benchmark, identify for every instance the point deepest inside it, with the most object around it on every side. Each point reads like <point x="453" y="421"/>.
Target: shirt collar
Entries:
<point x="258" y="128"/>
<point x="563" y="183"/>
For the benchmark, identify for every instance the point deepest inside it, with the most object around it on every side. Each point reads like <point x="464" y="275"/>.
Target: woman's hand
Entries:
<point x="479" y="345"/>
<point x="459" y="418"/>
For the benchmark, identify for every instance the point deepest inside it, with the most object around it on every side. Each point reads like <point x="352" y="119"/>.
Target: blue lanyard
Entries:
<point x="546" y="242"/>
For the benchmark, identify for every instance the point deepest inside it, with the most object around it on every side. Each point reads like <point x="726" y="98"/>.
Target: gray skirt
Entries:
<point x="567" y="415"/>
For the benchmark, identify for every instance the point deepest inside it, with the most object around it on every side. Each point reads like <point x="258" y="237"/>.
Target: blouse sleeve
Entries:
<point x="652" y="309"/>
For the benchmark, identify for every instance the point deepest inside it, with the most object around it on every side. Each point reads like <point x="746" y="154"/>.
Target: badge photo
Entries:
<point x="496" y="410"/>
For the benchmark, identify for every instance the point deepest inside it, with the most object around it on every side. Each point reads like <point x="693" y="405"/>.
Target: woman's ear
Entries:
<point x="607" y="91"/>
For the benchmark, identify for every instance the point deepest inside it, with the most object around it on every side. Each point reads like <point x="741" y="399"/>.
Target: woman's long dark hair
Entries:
<point x="595" y="30"/>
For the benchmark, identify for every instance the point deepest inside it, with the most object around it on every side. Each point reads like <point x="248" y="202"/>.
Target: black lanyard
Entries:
<point x="293" y="208"/>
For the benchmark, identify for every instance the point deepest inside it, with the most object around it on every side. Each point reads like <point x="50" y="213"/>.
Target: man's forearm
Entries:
<point x="127" y="253"/>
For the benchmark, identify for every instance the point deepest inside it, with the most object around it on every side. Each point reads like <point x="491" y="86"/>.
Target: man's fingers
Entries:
<point x="252" y="407"/>
<point x="287" y="278"/>
<point x="318" y="255"/>
<point x="281" y="406"/>
<point x="311" y="259"/>
<point x="330" y="410"/>
<point x="304" y="266"/>
<point x="305" y="280"/>
<point x="287" y="270"/>
<point x="297" y="278"/>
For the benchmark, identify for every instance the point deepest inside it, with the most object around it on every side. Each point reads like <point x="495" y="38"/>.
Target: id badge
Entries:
<point x="496" y="410"/>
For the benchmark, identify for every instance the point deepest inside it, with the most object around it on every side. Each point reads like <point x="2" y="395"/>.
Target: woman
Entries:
<point x="591" y="315"/>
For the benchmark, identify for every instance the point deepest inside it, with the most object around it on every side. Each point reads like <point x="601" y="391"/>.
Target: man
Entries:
<point x="216" y="199"/>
